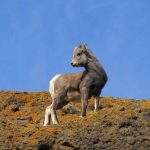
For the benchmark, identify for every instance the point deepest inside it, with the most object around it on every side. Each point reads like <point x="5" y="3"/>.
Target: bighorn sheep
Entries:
<point x="88" y="83"/>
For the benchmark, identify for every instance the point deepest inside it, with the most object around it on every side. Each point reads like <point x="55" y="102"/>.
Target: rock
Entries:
<point x="147" y="116"/>
<point x="13" y="101"/>
<point x="30" y="133"/>
<point x="138" y="110"/>
<point x="70" y="109"/>
<point x="29" y="118"/>
<point x="44" y="147"/>
<point x="131" y="141"/>
<point x="1" y="104"/>
<point x="133" y="117"/>
<point x="122" y="108"/>
<point x="91" y="107"/>
<point x="21" y="121"/>
<point x="129" y="122"/>
<point x="108" y="124"/>
<point x="95" y="140"/>
<point x="21" y="118"/>
<point x="1" y="107"/>
<point x="14" y="108"/>
<point x="106" y="140"/>
<point x="25" y="92"/>
<point x="124" y="123"/>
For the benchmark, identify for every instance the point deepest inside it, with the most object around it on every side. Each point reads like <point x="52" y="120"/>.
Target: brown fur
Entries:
<point x="89" y="83"/>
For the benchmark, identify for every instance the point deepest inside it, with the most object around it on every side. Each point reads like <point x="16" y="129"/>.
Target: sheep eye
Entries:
<point x="78" y="54"/>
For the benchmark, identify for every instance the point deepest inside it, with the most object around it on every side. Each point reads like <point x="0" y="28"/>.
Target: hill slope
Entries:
<point x="120" y="124"/>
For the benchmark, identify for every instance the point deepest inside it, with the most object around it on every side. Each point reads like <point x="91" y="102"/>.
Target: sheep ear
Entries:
<point x="80" y="46"/>
<point x="84" y="48"/>
<point x="85" y="45"/>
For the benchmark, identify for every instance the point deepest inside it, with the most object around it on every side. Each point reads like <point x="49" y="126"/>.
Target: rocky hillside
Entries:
<point x="121" y="124"/>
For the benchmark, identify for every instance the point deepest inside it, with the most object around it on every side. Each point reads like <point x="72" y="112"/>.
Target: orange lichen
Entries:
<point x="20" y="113"/>
<point x="37" y="133"/>
<point x="51" y="130"/>
<point x="34" y="141"/>
<point x="35" y="117"/>
<point x="69" y="118"/>
<point x="30" y="104"/>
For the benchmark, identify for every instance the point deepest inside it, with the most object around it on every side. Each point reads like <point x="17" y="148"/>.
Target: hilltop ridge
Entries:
<point x="119" y="124"/>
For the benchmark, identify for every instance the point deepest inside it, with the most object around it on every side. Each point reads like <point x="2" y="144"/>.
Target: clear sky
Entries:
<point x="37" y="38"/>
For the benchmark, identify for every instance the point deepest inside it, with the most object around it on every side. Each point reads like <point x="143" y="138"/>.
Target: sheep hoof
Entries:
<point x="83" y="116"/>
<point x="96" y="110"/>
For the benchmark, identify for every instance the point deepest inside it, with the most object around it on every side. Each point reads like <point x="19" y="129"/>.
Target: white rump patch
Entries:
<point x="52" y="84"/>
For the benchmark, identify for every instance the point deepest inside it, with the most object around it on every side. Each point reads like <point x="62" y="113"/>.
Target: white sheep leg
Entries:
<point x="47" y="116"/>
<point x="53" y="113"/>
<point x="96" y="103"/>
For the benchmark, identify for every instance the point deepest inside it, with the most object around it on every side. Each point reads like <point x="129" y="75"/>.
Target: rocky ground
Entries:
<point x="120" y="124"/>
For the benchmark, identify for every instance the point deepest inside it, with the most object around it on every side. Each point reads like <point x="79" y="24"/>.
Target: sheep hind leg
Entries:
<point x="53" y="112"/>
<point x="96" y="103"/>
<point x="47" y="115"/>
<point x="58" y="103"/>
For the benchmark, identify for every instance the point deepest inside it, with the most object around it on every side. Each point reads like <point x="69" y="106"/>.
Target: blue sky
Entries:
<point x="37" y="38"/>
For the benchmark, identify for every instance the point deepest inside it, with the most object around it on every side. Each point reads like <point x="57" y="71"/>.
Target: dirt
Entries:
<point x="121" y="124"/>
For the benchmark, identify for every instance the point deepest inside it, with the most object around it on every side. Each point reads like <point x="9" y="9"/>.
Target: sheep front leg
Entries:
<point x="84" y="100"/>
